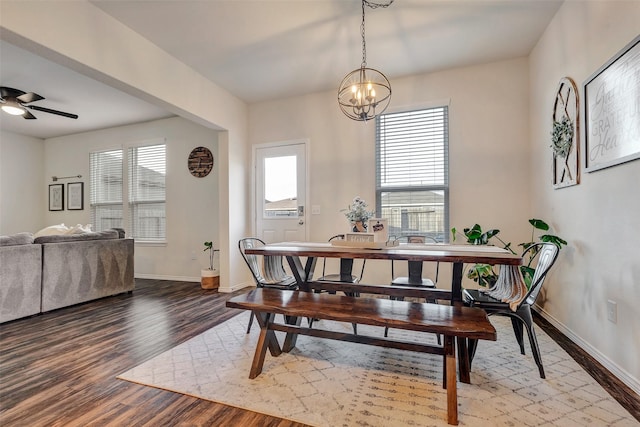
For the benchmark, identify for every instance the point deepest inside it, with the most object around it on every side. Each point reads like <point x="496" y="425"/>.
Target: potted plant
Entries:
<point x="486" y="275"/>
<point x="209" y="278"/>
<point x="358" y="215"/>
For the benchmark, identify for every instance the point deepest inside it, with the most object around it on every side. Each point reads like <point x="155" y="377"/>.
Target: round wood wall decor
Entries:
<point x="565" y="135"/>
<point x="200" y="162"/>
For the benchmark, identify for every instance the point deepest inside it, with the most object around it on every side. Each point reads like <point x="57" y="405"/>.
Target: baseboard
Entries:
<point x="232" y="288"/>
<point x="161" y="277"/>
<point x="221" y="289"/>
<point x="611" y="366"/>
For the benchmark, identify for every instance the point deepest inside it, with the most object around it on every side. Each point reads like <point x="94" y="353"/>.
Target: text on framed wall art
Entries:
<point x="612" y="116"/>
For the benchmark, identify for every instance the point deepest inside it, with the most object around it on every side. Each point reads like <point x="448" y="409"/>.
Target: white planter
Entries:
<point x="209" y="279"/>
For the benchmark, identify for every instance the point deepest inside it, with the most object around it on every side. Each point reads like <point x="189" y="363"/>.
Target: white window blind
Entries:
<point x="147" y="192"/>
<point x="106" y="189"/>
<point x="412" y="172"/>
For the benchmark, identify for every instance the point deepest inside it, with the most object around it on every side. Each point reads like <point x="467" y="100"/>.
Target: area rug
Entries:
<point x="331" y="383"/>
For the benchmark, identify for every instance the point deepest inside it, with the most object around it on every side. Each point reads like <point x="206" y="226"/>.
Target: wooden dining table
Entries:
<point x="457" y="255"/>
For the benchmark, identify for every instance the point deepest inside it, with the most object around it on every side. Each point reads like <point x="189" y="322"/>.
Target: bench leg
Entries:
<point x="451" y="379"/>
<point x="463" y="361"/>
<point x="266" y="339"/>
<point x="291" y="338"/>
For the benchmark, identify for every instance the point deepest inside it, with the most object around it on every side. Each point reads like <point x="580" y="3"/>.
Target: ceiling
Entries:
<point x="268" y="49"/>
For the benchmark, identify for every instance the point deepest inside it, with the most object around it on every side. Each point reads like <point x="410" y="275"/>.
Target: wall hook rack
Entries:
<point x="55" y="178"/>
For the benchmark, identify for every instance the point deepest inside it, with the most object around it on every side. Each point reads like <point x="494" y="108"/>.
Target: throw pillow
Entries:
<point x="52" y="230"/>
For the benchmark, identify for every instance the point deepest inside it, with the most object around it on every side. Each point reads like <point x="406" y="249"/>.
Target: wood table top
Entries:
<point x="411" y="252"/>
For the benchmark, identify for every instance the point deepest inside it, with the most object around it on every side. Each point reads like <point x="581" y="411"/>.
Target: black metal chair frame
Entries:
<point x="546" y="255"/>
<point x="344" y="276"/>
<point x="277" y="277"/>
<point x="414" y="270"/>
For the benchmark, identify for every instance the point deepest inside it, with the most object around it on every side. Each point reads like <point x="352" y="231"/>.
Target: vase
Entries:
<point x="359" y="227"/>
<point x="209" y="279"/>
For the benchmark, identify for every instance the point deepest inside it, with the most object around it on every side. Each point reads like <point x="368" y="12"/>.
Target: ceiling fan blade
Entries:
<point x="48" y="110"/>
<point x="27" y="115"/>
<point x="29" y="97"/>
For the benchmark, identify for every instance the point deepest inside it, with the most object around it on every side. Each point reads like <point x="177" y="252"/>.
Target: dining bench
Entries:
<point x="449" y="321"/>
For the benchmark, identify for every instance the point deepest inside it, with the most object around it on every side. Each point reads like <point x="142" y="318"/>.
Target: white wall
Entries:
<point x="22" y="193"/>
<point x="489" y="158"/>
<point x="80" y="36"/>
<point x="600" y="217"/>
<point x="192" y="203"/>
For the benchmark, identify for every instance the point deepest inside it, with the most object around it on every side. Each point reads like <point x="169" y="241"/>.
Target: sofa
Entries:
<point x="55" y="271"/>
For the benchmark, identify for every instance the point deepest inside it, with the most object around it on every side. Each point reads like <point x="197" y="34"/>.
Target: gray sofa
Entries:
<point x="67" y="269"/>
<point x="20" y="276"/>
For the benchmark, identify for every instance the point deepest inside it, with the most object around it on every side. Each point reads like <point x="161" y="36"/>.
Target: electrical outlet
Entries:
<point x="612" y="311"/>
<point x="193" y="256"/>
<point x="315" y="209"/>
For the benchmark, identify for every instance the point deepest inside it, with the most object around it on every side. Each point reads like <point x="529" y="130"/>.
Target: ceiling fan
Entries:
<point x="14" y="101"/>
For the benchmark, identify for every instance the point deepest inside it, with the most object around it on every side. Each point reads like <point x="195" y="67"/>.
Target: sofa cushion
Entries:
<point x="16" y="239"/>
<point x="98" y="235"/>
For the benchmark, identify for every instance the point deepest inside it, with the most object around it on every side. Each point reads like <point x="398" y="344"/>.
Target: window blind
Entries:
<point x="412" y="172"/>
<point x="147" y="192"/>
<point x="106" y="189"/>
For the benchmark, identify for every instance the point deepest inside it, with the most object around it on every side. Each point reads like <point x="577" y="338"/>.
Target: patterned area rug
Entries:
<point x="332" y="383"/>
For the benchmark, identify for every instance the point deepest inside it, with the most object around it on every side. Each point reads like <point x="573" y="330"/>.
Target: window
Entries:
<point x="412" y="172"/>
<point x="106" y="189"/>
<point x="143" y="205"/>
<point x="147" y="171"/>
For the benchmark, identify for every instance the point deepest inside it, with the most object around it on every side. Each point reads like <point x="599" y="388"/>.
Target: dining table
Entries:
<point x="457" y="255"/>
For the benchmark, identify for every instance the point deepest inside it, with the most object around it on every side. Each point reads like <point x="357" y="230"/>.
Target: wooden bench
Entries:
<point x="449" y="321"/>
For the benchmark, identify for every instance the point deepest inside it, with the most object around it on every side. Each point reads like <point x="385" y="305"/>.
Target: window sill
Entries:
<point x="150" y="243"/>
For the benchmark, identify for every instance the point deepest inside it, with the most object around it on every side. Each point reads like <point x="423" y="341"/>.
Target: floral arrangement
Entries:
<point x="562" y="137"/>
<point x="357" y="211"/>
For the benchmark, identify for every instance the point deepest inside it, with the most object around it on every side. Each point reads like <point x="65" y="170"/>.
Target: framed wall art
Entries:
<point x="565" y="135"/>
<point x="612" y="110"/>
<point x="75" y="196"/>
<point x="56" y="197"/>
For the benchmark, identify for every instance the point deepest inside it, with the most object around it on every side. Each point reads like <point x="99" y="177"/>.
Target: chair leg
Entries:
<point x="525" y="314"/>
<point x="250" y="322"/>
<point x="517" y="330"/>
<point x="386" y="331"/>
<point x="355" y="328"/>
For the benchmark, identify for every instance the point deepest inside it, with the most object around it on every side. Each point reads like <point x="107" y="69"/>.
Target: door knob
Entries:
<point x="301" y="222"/>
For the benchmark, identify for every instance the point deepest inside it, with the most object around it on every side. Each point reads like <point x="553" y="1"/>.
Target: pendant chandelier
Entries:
<point x="365" y="93"/>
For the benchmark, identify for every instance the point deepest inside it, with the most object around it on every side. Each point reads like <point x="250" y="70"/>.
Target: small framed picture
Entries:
<point x="378" y="226"/>
<point x="56" y="197"/>
<point x="75" y="196"/>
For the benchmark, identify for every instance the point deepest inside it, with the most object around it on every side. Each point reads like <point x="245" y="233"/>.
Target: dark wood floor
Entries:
<point x="59" y="368"/>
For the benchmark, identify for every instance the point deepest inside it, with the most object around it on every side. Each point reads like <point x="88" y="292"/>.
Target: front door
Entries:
<point x="280" y="188"/>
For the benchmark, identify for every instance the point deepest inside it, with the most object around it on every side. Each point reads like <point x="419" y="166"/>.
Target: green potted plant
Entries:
<point x="486" y="275"/>
<point x="209" y="278"/>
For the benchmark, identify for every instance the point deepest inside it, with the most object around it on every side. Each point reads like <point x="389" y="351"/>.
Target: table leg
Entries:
<point x="456" y="299"/>
<point x="267" y="339"/>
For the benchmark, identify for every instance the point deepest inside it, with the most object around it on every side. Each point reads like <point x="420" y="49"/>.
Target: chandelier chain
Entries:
<point x="372" y="5"/>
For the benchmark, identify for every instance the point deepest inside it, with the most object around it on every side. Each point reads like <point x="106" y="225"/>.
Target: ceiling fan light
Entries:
<point x="13" y="108"/>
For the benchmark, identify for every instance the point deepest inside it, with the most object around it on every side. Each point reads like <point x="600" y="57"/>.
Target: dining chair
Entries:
<point x="414" y="270"/>
<point x="540" y="255"/>
<point x="267" y="271"/>
<point x="344" y="275"/>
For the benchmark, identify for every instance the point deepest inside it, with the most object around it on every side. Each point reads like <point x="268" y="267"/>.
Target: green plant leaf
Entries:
<point x="453" y="233"/>
<point x="492" y="233"/>
<point x="527" y="275"/>
<point x="539" y="224"/>
<point x="208" y="246"/>
<point x="550" y="238"/>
